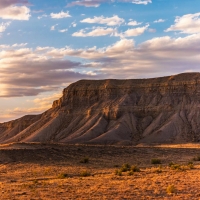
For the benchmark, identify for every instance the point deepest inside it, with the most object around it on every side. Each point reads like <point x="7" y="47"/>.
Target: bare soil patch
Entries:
<point x="57" y="171"/>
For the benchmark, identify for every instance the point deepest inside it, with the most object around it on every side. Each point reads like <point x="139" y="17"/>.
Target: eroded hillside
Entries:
<point x="158" y="110"/>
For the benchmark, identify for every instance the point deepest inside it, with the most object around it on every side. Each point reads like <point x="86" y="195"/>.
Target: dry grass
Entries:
<point x="35" y="174"/>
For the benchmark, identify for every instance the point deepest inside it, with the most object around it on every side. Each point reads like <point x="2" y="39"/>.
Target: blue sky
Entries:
<point x="46" y="45"/>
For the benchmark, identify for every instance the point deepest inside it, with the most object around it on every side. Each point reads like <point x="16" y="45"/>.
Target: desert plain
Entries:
<point x="61" y="171"/>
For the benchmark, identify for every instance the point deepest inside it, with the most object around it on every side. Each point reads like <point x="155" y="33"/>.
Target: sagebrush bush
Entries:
<point x="171" y="189"/>
<point x="62" y="175"/>
<point x="135" y="168"/>
<point x="85" y="160"/>
<point x="197" y="158"/>
<point x="125" y="167"/>
<point x="84" y="173"/>
<point x="118" y="172"/>
<point x="155" y="161"/>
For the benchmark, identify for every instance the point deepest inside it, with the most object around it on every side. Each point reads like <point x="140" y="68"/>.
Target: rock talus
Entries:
<point x="156" y="110"/>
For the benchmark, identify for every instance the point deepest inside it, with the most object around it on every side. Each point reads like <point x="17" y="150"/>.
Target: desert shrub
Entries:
<point x="85" y="160"/>
<point x="171" y="163"/>
<point x="84" y="173"/>
<point x="176" y="167"/>
<point x="155" y="161"/>
<point x="125" y="167"/>
<point x="118" y="172"/>
<point x="182" y="167"/>
<point x="190" y="165"/>
<point x="62" y="175"/>
<point x="135" y="168"/>
<point x="158" y="170"/>
<point x="130" y="173"/>
<point x="35" y="181"/>
<point x="197" y="158"/>
<point x="171" y="189"/>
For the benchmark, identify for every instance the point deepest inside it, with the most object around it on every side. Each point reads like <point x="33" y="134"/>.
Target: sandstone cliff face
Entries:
<point x="158" y="110"/>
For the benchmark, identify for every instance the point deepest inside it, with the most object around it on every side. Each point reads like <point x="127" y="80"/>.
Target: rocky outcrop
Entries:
<point x="158" y="110"/>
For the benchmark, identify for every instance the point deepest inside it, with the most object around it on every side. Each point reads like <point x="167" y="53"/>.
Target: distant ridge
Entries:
<point x="157" y="110"/>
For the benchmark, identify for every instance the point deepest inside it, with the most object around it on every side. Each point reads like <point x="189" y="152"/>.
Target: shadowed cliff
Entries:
<point x="158" y="110"/>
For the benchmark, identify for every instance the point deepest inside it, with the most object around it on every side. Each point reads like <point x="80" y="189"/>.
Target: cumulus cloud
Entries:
<point x="60" y="15"/>
<point x="7" y="3"/>
<point x="63" y="30"/>
<point x="109" y="21"/>
<point x="39" y="105"/>
<point x="11" y="9"/>
<point x="102" y="31"/>
<point x="19" y="45"/>
<point x="144" y="2"/>
<point x="97" y="31"/>
<point x="97" y="3"/>
<point x="134" y="23"/>
<point x="3" y="26"/>
<point x="188" y="24"/>
<point x="133" y="32"/>
<point x="27" y="72"/>
<point x="156" y="57"/>
<point x="53" y="27"/>
<point x="159" y="21"/>
<point x="86" y="3"/>
<point x="42" y="16"/>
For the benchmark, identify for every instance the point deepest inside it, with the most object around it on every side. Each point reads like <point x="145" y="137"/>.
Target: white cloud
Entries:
<point x="134" y="32"/>
<point x="63" y="30"/>
<point x="15" y="13"/>
<point x="19" y="45"/>
<point x="53" y="27"/>
<point x="97" y="31"/>
<point x="159" y="21"/>
<point x="152" y="30"/>
<point x="134" y="23"/>
<point x="97" y="3"/>
<point x="144" y="2"/>
<point x="73" y="24"/>
<point x="189" y="24"/>
<point x="42" y="16"/>
<point x="109" y="21"/>
<point x="86" y="3"/>
<point x="60" y="15"/>
<point x="27" y="72"/>
<point x="3" y="26"/>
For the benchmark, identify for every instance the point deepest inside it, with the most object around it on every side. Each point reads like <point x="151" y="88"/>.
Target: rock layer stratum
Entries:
<point x="156" y="110"/>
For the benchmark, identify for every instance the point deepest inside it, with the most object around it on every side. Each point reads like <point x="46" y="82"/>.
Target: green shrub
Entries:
<point x="130" y="173"/>
<point x="171" y="189"/>
<point x="118" y="172"/>
<point x="171" y="163"/>
<point x="155" y="161"/>
<point x="197" y="158"/>
<point x="190" y="165"/>
<point x="125" y="167"/>
<point x="158" y="170"/>
<point x="84" y="173"/>
<point x="85" y="160"/>
<point x="176" y="167"/>
<point x="135" y="168"/>
<point x="62" y="175"/>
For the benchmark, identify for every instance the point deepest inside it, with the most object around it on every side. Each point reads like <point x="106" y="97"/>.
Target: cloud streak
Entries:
<point x="97" y="3"/>
<point x="109" y="21"/>
<point x="10" y="9"/>
<point x="188" y="24"/>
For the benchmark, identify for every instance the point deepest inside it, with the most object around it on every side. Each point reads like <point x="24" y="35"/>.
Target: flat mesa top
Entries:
<point x="180" y="78"/>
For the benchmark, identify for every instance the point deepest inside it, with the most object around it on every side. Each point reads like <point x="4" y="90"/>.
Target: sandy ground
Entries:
<point x="41" y="171"/>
